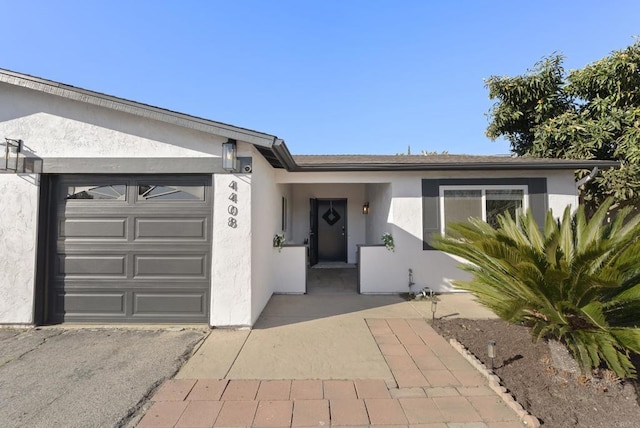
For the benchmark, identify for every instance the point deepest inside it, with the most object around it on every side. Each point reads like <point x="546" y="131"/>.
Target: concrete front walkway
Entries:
<point x="315" y="337"/>
<point x="329" y="360"/>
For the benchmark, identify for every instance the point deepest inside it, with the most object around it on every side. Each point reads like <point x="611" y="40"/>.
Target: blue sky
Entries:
<point x="359" y="76"/>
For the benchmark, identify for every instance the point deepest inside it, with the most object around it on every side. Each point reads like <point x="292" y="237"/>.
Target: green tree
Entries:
<point x="577" y="281"/>
<point x="591" y="113"/>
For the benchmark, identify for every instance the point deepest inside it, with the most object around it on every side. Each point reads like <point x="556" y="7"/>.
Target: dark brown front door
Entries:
<point x="332" y="230"/>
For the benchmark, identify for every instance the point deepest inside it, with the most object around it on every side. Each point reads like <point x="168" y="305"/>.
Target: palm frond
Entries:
<point x="578" y="280"/>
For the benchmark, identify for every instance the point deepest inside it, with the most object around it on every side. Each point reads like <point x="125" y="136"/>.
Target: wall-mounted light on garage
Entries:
<point x="230" y="155"/>
<point x="12" y="149"/>
<point x="365" y="208"/>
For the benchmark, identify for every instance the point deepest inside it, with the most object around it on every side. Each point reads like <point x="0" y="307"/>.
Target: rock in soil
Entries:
<point x="561" y="357"/>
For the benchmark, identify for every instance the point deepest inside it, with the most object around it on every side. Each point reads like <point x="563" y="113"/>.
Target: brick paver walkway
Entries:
<point x="435" y="388"/>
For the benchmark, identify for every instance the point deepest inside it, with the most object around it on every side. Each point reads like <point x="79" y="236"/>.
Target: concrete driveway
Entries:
<point x="85" y="377"/>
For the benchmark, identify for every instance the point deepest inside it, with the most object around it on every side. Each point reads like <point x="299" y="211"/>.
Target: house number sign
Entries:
<point x="232" y="209"/>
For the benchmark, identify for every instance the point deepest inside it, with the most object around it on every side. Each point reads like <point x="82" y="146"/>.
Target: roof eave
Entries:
<point x="138" y="109"/>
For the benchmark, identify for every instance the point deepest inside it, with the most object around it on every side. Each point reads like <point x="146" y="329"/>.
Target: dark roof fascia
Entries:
<point x="278" y="155"/>
<point x="283" y="154"/>
<point x="501" y="166"/>
<point x="139" y="109"/>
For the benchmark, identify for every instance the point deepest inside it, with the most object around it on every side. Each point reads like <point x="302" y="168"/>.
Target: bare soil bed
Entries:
<point x="559" y="399"/>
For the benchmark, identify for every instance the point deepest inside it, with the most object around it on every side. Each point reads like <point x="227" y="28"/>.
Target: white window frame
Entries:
<point x="483" y="198"/>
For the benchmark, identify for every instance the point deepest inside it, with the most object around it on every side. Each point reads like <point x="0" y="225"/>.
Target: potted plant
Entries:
<point x="278" y="241"/>
<point x="387" y="239"/>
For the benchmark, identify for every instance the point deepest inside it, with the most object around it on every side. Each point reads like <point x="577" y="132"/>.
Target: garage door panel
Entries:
<point x="184" y="229"/>
<point x="80" y="228"/>
<point x="93" y="265"/>
<point x="90" y="302"/>
<point x="118" y="283"/>
<point x="131" y="249"/>
<point x="170" y="266"/>
<point x="169" y="303"/>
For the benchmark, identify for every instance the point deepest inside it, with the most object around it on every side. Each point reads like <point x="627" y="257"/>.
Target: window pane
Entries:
<point x="459" y="205"/>
<point x="501" y="201"/>
<point x="113" y="192"/>
<point x="154" y="192"/>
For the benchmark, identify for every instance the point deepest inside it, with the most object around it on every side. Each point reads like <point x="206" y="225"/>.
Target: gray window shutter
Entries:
<point x="430" y="211"/>
<point x="538" y="200"/>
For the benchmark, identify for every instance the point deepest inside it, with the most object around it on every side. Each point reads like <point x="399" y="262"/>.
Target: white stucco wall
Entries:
<point x="52" y="126"/>
<point x="290" y="270"/>
<point x="267" y="221"/>
<point x="377" y="221"/>
<point x="18" y="235"/>
<point x="432" y="269"/>
<point x="232" y="255"/>
<point x="562" y="191"/>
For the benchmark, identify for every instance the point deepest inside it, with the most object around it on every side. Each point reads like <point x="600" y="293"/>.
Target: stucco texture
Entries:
<point x="18" y="236"/>
<point x="54" y="127"/>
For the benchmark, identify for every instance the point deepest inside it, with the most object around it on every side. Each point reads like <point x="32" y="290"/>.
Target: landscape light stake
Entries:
<point x="434" y="306"/>
<point x="491" y="352"/>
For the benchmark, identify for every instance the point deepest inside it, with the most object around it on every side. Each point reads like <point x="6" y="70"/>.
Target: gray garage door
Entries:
<point x="130" y="249"/>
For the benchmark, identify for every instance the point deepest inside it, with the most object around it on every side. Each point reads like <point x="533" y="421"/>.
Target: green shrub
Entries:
<point x="577" y="281"/>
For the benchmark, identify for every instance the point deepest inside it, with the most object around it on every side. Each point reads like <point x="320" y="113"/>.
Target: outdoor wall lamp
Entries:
<point x="230" y="155"/>
<point x="12" y="149"/>
<point x="491" y="352"/>
<point x="365" y="208"/>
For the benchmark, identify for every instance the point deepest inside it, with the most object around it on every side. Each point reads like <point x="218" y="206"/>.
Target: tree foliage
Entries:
<point x="578" y="280"/>
<point x="590" y="113"/>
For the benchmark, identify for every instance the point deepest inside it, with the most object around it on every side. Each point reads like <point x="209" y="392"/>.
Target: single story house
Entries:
<point x="116" y="211"/>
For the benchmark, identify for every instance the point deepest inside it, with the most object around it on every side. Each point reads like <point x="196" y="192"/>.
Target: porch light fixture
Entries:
<point x="491" y="352"/>
<point x="365" y="208"/>
<point x="12" y="149"/>
<point x="229" y="156"/>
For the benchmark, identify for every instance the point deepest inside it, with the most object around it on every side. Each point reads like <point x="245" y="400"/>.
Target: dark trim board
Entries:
<point x="443" y="162"/>
<point x="359" y="264"/>
<point x="203" y="165"/>
<point x="537" y="191"/>
<point x="44" y="224"/>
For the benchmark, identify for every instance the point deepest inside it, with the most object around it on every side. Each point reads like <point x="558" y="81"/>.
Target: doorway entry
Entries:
<point x="328" y="234"/>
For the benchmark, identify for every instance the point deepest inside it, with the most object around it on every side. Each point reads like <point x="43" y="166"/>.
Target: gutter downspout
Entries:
<point x="589" y="177"/>
<point x="281" y="152"/>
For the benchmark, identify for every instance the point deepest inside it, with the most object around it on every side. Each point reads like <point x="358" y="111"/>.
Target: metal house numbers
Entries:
<point x="232" y="209"/>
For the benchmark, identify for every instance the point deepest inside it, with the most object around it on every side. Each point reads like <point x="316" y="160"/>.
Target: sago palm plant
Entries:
<point x="577" y="281"/>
